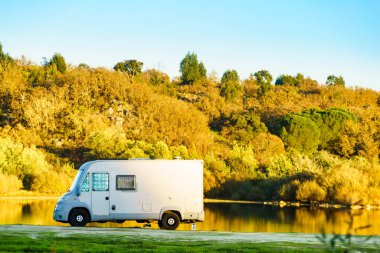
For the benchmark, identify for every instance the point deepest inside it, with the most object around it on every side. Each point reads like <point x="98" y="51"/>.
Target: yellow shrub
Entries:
<point x="352" y="181"/>
<point x="215" y="173"/>
<point x="288" y="191"/>
<point x="267" y="146"/>
<point x="310" y="191"/>
<point x="51" y="182"/>
<point x="9" y="184"/>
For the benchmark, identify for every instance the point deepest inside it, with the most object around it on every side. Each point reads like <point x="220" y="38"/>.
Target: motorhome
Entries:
<point x="167" y="191"/>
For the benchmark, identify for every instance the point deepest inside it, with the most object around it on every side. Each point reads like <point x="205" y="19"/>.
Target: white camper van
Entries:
<point x="169" y="191"/>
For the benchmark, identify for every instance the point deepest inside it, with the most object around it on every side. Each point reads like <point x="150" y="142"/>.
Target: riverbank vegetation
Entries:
<point x="261" y="138"/>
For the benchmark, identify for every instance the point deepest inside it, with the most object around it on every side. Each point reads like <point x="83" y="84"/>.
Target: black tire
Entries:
<point x="79" y="218"/>
<point x="170" y="221"/>
<point x="160" y="224"/>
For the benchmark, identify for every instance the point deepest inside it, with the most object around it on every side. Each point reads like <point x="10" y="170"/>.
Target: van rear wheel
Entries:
<point x="79" y="218"/>
<point x="170" y="221"/>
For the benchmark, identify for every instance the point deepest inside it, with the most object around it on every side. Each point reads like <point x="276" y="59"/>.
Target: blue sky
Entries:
<point x="314" y="37"/>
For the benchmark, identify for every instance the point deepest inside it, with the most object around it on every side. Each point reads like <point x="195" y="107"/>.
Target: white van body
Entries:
<point x="142" y="190"/>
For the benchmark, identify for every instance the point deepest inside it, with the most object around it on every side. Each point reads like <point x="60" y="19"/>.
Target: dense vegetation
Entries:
<point x="293" y="140"/>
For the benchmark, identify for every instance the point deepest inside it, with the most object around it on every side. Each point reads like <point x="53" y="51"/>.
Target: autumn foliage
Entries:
<point x="298" y="140"/>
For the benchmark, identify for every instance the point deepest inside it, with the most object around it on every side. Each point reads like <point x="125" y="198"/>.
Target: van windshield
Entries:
<point x="76" y="180"/>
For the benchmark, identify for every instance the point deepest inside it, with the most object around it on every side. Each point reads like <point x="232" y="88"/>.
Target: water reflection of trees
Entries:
<point x="34" y="212"/>
<point x="218" y="216"/>
<point x="260" y="218"/>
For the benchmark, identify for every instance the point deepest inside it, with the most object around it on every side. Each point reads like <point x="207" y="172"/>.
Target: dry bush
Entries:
<point x="280" y="166"/>
<point x="310" y="191"/>
<point x="243" y="163"/>
<point x="352" y="181"/>
<point x="289" y="190"/>
<point x="267" y="146"/>
<point x="215" y="173"/>
<point x="51" y="182"/>
<point x="9" y="184"/>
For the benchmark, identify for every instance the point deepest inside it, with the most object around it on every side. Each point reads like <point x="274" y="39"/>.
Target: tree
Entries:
<point x="264" y="79"/>
<point x="120" y="66"/>
<point x="267" y="146"/>
<point x="243" y="127"/>
<point x="300" y="133"/>
<point x="84" y="66"/>
<point x="230" y="76"/>
<point x="157" y="77"/>
<point x="289" y="80"/>
<point x="331" y="124"/>
<point x="3" y="56"/>
<point x="202" y="70"/>
<point x="300" y="78"/>
<point x="243" y="163"/>
<point x="335" y="81"/>
<point x="230" y="85"/>
<point x="132" y="67"/>
<point x="191" y="70"/>
<point x="59" y="62"/>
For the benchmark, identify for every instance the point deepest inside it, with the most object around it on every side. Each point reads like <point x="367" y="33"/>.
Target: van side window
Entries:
<point x="100" y="182"/>
<point x="85" y="187"/>
<point x="126" y="182"/>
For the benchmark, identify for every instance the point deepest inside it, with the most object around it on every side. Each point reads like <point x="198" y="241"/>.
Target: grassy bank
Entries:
<point x="66" y="239"/>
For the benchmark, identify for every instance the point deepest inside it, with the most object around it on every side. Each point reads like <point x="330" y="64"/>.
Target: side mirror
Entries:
<point x="78" y="191"/>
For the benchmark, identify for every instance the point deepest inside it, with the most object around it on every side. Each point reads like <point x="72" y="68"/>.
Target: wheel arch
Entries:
<point x="173" y="209"/>
<point x="81" y="208"/>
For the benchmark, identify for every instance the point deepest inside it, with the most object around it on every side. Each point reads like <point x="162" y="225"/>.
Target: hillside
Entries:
<point x="295" y="140"/>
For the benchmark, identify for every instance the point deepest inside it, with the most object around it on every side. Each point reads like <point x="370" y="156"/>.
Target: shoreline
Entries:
<point x="281" y="203"/>
<point x="23" y="194"/>
<point x="29" y="197"/>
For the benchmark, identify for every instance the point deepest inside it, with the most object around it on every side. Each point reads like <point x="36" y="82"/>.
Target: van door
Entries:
<point x="100" y="193"/>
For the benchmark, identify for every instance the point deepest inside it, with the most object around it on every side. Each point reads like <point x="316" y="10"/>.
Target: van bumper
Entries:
<point x="60" y="214"/>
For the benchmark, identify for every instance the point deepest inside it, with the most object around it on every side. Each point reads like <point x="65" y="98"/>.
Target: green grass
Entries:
<point x="41" y="239"/>
<point x="51" y="243"/>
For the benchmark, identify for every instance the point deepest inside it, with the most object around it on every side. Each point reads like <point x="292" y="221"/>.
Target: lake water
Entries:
<point x="218" y="217"/>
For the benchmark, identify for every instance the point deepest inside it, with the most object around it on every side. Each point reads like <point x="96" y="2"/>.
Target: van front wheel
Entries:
<point x="160" y="224"/>
<point x="170" y="221"/>
<point x="79" y="218"/>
